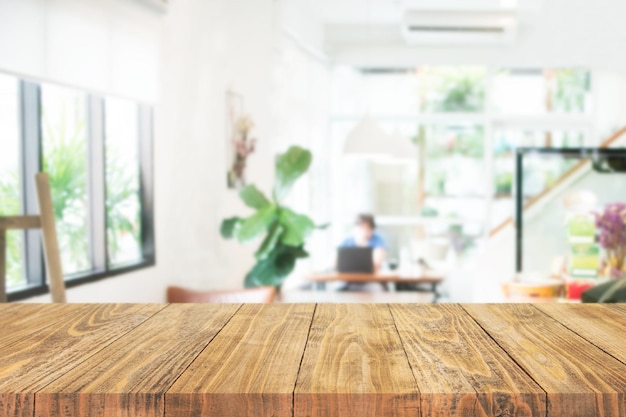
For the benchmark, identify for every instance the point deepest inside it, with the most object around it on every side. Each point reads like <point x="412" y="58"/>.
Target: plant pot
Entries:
<point x="593" y="295"/>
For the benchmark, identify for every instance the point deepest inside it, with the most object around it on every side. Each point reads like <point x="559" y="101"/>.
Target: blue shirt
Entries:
<point x="376" y="241"/>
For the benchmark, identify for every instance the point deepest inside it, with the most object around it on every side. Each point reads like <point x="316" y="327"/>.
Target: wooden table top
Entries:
<point x="378" y="360"/>
<point x="431" y="277"/>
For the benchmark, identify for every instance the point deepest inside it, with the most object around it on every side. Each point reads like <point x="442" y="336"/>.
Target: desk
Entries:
<point x="299" y="296"/>
<point x="431" y="278"/>
<point x="332" y="360"/>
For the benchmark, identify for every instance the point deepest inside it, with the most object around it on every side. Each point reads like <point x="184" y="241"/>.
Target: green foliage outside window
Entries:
<point x="10" y="206"/>
<point x="571" y="88"/>
<point x="122" y="208"/>
<point x="456" y="89"/>
<point x="65" y="161"/>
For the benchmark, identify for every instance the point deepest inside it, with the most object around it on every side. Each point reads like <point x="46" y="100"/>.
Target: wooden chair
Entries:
<point x="252" y="295"/>
<point x="44" y="221"/>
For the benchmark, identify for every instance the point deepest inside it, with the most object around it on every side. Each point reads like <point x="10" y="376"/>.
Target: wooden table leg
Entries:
<point x="435" y="292"/>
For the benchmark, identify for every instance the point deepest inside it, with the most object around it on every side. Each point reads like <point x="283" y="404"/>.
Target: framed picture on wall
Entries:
<point x="239" y="144"/>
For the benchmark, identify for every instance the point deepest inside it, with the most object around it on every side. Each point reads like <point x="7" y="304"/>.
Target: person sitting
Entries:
<point x="364" y="234"/>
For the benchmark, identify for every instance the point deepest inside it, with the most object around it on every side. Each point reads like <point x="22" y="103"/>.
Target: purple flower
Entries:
<point x="611" y="225"/>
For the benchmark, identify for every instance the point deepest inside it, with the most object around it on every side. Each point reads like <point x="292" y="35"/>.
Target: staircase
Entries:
<point x="559" y="185"/>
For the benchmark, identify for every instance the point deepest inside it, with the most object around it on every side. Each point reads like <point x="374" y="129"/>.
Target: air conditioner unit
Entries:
<point x="471" y="27"/>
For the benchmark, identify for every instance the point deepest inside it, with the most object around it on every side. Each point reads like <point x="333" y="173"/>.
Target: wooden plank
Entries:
<point x="20" y="222"/>
<point x="460" y="370"/>
<point x="579" y="379"/>
<point x="355" y="365"/>
<point x="249" y="369"/>
<point x="20" y="321"/>
<point x="131" y="375"/>
<point x="602" y="326"/>
<point x="10" y="311"/>
<point x="50" y="240"/>
<point x="617" y="307"/>
<point x="31" y="364"/>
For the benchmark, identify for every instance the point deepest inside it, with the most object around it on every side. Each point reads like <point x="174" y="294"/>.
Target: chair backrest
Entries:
<point x="252" y="295"/>
<point x="44" y="221"/>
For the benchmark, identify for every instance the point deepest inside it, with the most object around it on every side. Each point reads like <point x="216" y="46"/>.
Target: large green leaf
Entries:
<point x="270" y="241"/>
<point x="256" y="224"/>
<point x="229" y="227"/>
<point x="253" y="197"/>
<point x="289" y="167"/>
<point x="298" y="227"/>
<point x="273" y="270"/>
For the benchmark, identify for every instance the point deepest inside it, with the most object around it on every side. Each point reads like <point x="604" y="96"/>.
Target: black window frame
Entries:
<point x="31" y="145"/>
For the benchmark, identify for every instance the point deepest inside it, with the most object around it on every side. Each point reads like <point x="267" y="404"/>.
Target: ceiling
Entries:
<point x="373" y="33"/>
<point x="392" y="11"/>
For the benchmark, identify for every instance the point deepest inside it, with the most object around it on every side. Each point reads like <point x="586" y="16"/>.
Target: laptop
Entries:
<point x="355" y="260"/>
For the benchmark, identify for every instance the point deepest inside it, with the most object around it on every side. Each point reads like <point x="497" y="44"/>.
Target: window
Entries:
<point x="454" y="154"/>
<point x="97" y="153"/>
<point x="10" y="203"/>
<point x="542" y="91"/>
<point x="122" y="179"/>
<point x="64" y="137"/>
<point x="466" y="122"/>
<point x="453" y="89"/>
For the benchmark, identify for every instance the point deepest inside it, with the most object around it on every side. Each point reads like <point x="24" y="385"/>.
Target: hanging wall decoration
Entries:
<point x="239" y="142"/>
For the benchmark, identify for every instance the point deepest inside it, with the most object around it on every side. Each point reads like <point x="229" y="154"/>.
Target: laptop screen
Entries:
<point x="355" y="260"/>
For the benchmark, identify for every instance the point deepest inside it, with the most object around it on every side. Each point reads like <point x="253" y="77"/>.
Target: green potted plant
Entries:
<point x="285" y="231"/>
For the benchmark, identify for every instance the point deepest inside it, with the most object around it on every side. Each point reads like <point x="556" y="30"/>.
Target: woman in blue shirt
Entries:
<point x="365" y="235"/>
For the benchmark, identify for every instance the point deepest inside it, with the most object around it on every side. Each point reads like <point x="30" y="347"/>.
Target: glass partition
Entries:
<point x="556" y="219"/>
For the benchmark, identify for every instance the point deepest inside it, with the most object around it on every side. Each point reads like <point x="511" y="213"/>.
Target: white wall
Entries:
<point x="107" y="46"/>
<point x="609" y="102"/>
<point x="206" y="48"/>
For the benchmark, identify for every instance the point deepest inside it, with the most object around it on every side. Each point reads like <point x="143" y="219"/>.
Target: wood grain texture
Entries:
<point x="355" y="365"/>
<point x="32" y="363"/>
<point x="460" y="370"/>
<point x="157" y="351"/>
<point x="599" y="324"/>
<point x="249" y="369"/>
<point x="27" y="320"/>
<point x="12" y="311"/>
<point x="308" y="360"/>
<point x="580" y="380"/>
<point x="617" y="307"/>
